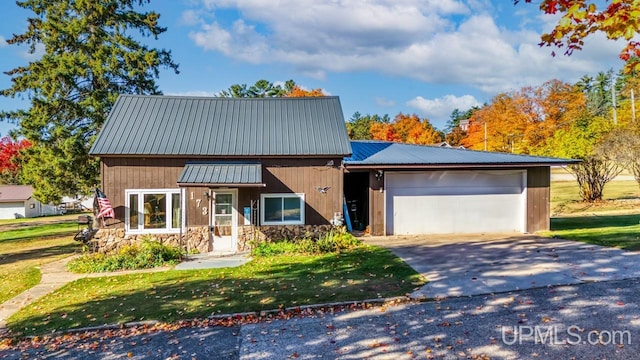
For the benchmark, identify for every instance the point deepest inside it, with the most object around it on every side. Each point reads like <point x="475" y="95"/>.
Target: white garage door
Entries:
<point x="443" y="202"/>
<point x="10" y="209"/>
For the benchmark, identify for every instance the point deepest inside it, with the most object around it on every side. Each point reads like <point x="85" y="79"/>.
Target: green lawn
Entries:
<point x="619" y="196"/>
<point x="265" y="283"/>
<point x="613" y="222"/>
<point x="40" y="220"/>
<point x="24" y="249"/>
<point x="31" y="232"/>
<point x="621" y="231"/>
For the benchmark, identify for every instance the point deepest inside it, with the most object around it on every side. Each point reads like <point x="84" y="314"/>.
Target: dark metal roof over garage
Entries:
<point x="389" y="154"/>
<point x="221" y="174"/>
<point x="238" y="127"/>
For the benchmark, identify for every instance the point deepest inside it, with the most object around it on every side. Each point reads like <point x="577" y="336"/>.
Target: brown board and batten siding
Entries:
<point x="280" y="176"/>
<point x="538" y="196"/>
<point x="120" y="174"/>
<point x="308" y="176"/>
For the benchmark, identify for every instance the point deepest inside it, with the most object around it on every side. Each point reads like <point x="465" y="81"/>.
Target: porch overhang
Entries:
<point x="221" y="174"/>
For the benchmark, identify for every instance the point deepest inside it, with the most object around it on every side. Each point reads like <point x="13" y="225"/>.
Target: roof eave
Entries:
<point x="221" y="156"/>
<point x="453" y="165"/>
<point x="180" y="184"/>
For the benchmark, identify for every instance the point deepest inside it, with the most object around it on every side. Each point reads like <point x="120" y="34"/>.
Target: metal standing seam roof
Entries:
<point x="200" y="126"/>
<point x="238" y="174"/>
<point x="15" y="193"/>
<point x="390" y="153"/>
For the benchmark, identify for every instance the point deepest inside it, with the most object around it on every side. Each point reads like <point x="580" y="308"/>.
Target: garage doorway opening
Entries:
<point x="356" y="193"/>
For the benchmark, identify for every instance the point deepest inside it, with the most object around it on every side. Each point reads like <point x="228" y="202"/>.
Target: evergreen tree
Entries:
<point x="91" y="55"/>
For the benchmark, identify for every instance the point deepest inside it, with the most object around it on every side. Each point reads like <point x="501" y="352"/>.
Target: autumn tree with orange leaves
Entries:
<point x="409" y="129"/>
<point x="498" y="126"/>
<point x="523" y="121"/>
<point x="298" y="91"/>
<point x="580" y="19"/>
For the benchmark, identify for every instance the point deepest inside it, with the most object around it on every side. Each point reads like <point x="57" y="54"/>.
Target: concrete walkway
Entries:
<point x="55" y="275"/>
<point x="213" y="261"/>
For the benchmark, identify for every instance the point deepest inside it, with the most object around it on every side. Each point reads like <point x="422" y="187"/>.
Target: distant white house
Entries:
<point x="464" y="124"/>
<point x="17" y="201"/>
<point x="77" y="203"/>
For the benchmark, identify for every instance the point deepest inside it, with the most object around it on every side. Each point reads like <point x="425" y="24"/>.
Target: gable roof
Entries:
<point x="15" y="193"/>
<point x="243" y="127"/>
<point x="383" y="153"/>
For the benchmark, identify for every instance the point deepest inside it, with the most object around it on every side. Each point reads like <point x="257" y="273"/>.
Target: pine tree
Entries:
<point x="90" y="56"/>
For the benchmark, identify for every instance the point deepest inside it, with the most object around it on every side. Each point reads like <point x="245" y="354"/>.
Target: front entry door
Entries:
<point x="224" y="221"/>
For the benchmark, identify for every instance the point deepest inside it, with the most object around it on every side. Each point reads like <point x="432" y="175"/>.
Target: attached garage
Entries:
<point x="417" y="189"/>
<point x="455" y="201"/>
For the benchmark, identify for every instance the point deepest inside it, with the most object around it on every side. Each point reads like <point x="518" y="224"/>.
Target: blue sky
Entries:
<point x="379" y="56"/>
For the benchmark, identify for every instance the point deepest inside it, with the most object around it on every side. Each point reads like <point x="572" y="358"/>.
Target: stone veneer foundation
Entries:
<point x="196" y="239"/>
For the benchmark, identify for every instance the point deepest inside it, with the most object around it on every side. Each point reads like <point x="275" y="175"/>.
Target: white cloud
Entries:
<point x="3" y="42"/>
<point x="241" y="41"/>
<point x="440" y="109"/>
<point x="380" y="101"/>
<point x="439" y="42"/>
<point x="190" y="18"/>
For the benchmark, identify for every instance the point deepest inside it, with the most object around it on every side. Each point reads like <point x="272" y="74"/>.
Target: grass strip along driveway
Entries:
<point x="612" y="222"/>
<point x="622" y="231"/>
<point x="265" y="283"/>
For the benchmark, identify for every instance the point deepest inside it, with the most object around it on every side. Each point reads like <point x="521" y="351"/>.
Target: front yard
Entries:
<point x="267" y="282"/>
<point x="24" y="247"/>
<point x="365" y="272"/>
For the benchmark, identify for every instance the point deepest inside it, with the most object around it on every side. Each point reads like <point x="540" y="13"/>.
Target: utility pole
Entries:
<point x="485" y="135"/>
<point x="633" y="107"/>
<point x="613" y="101"/>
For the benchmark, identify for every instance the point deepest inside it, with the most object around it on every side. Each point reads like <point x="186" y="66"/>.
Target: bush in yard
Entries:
<point x="333" y="241"/>
<point x="148" y="254"/>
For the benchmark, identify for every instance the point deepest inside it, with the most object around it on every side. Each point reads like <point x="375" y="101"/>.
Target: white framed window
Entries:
<point x="282" y="209"/>
<point x="151" y="211"/>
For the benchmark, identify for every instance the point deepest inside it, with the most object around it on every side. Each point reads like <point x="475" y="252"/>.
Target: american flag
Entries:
<point x="105" y="210"/>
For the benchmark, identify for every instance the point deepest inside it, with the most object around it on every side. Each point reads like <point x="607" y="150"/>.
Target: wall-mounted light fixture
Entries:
<point x="379" y="175"/>
<point x="207" y="195"/>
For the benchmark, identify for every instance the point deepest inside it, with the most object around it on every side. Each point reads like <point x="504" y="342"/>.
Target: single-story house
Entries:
<point x="214" y="173"/>
<point x="17" y="201"/>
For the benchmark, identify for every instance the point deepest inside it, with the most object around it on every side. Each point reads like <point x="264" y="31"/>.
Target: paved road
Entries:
<point x="583" y="317"/>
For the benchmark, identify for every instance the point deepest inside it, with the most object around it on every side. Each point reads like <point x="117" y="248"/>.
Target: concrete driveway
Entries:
<point x="464" y="265"/>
